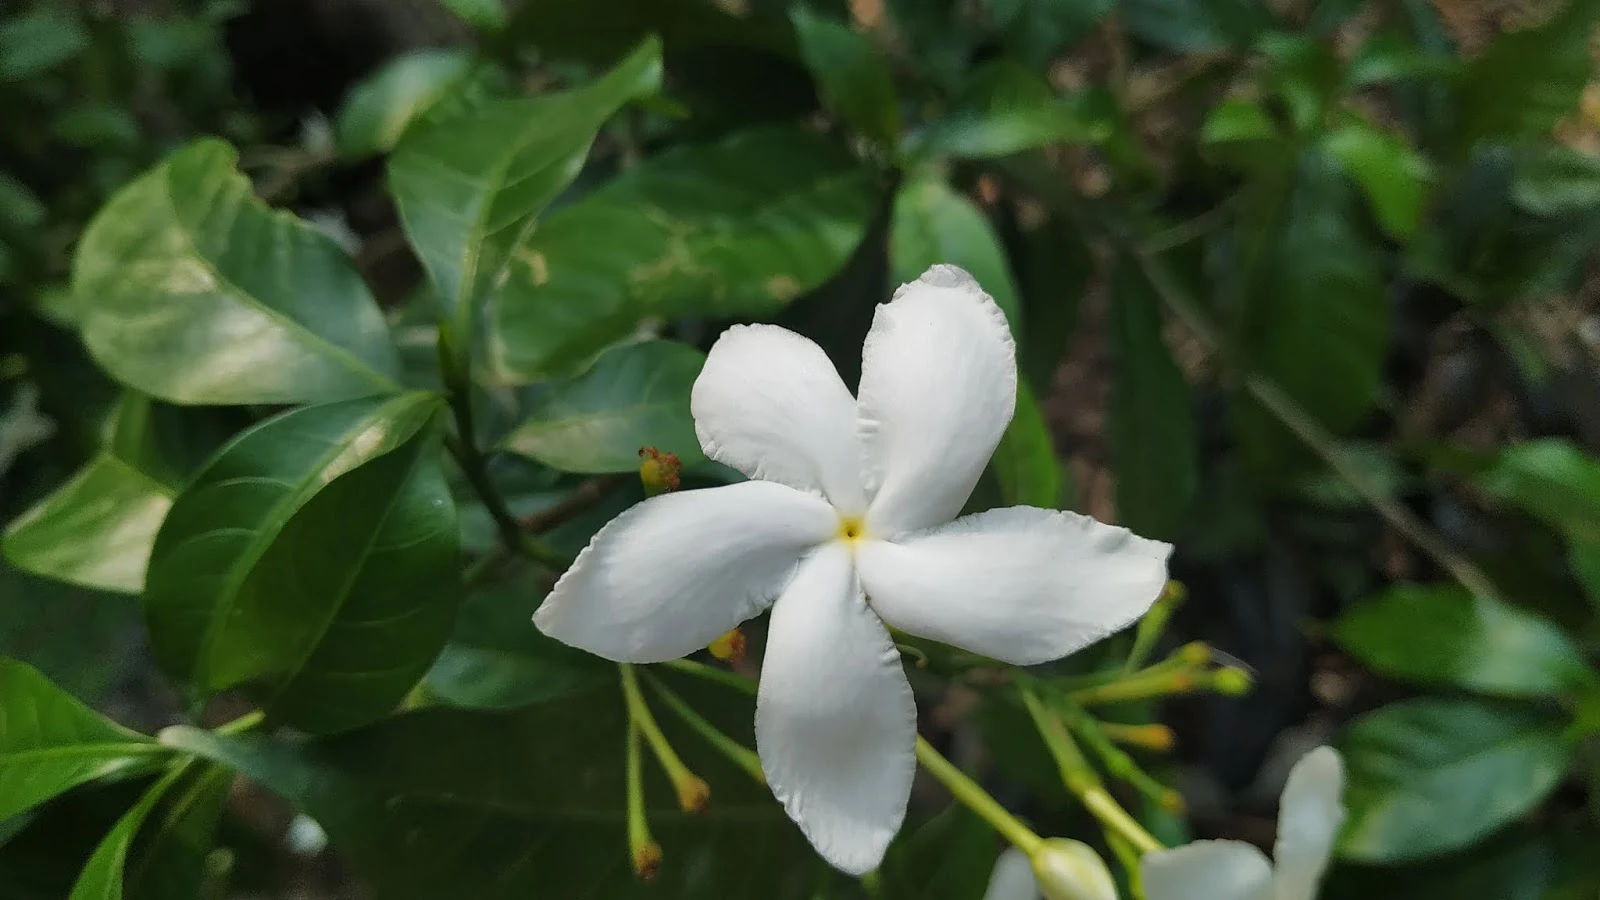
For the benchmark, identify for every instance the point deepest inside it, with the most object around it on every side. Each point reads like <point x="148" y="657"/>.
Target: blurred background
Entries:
<point x="1306" y="288"/>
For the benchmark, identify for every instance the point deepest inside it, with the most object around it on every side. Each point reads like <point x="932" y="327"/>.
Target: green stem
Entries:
<point x="711" y="673"/>
<point x="642" y="847"/>
<point x="243" y="723"/>
<point x="692" y="790"/>
<point x="976" y="798"/>
<point x="1081" y="780"/>
<point x="740" y="755"/>
<point x="1137" y="687"/>
<point x="1152" y="625"/>
<point x="1118" y="762"/>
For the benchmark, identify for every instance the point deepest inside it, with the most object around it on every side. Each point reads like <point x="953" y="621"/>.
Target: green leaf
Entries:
<point x="634" y="396"/>
<point x="165" y="442"/>
<point x="735" y="228"/>
<point x="1316" y="317"/>
<point x="35" y="43"/>
<point x="1557" y="181"/>
<point x="1195" y="25"/>
<point x="1152" y="429"/>
<point x="496" y="661"/>
<point x="1025" y="461"/>
<point x="469" y="187"/>
<point x="196" y="292"/>
<point x="175" y="859"/>
<point x="528" y="804"/>
<point x="853" y="73"/>
<point x="1238" y="120"/>
<point x="1446" y="636"/>
<point x="217" y="601"/>
<point x="102" y="875"/>
<point x="1392" y="175"/>
<point x="1008" y="109"/>
<point x="381" y="108"/>
<point x="949" y="857"/>
<point x="96" y="530"/>
<point x="1552" y="479"/>
<point x="1529" y="79"/>
<point x="933" y="224"/>
<point x="20" y="207"/>
<point x="487" y="15"/>
<point x="1040" y="29"/>
<point x="50" y="743"/>
<point x="1432" y="775"/>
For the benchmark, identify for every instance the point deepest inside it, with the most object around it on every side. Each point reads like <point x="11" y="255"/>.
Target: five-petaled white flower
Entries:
<point x="1309" y="816"/>
<point x="847" y="524"/>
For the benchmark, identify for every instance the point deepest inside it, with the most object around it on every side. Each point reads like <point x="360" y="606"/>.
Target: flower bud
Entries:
<point x="1232" y="681"/>
<point x="730" y="647"/>
<point x="694" y="795"/>
<point x="1070" y="870"/>
<point x="646" y="859"/>
<point x="659" y="471"/>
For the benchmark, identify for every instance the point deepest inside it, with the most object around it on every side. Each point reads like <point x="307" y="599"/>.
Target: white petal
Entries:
<point x="770" y="404"/>
<point x="835" y="723"/>
<point x="1012" y="878"/>
<point x="1308" y="823"/>
<point x="938" y="385"/>
<point x="1207" y="870"/>
<point x="666" y="577"/>
<point x="1022" y="585"/>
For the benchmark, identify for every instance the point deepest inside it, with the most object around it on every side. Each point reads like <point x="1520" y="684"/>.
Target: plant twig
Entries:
<point x="583" y="498"/>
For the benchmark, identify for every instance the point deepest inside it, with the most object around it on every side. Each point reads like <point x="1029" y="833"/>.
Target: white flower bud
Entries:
<point x="1070" y="870"/>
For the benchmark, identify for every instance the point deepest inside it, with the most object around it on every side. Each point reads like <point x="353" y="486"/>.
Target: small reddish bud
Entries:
<point x="694" y="795"/>
<point x="659" y="471"/>
<point x="730" y="647"/>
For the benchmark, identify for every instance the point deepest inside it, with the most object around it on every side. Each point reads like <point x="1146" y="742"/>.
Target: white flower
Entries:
<point x="1060" y="869"/>
<point x="1308" y="823"/>
<point x="848" y="525"/>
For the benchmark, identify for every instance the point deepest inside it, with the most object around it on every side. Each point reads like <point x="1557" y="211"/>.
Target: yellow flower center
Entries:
<point x="851" y="528"/>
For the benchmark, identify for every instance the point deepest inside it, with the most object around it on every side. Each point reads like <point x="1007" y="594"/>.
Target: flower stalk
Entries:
<point x="1154" y="737"/>
<point x="975" y="798"/>
<point x="737" y="753"/>
<point x="1080" y="779"/>
<point x="711" y="673"/>
<point x="643" y="851"/>
<point x="1153" y="625"/>
<point x="1117" y="762"/>
<point x="693" y="793"/>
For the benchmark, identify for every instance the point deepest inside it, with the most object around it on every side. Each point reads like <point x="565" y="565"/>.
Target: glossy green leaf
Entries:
<point x="1428" y="776"/>
<point x="1152" y="426"/>
<point x="853" y="73"/>
<point x="488" y="15"/>
<point x="933" y="224"/>
<point x="380" y="109"/>
<point x="49" y="742"/>
<point x="529" y="804"/>
<point x="1008" y="109"/>
<point x="38" y="41"/>
<point x="1025" y="462"/>
<point x="634" y="396"/>
<point x="103" y="875"/>
<point x="496" y="661"/>
<point x="735" y="228"/>
<point x="1444" y="635"/>
<point x="197" y="292"/>
<point x="1393" y="176"/>
<point x="245" y="583"/>
<point x="165" y="442"/>
<point x="470" y="187"/>
<point x="1529" y="79"/>
<point x="96" y="530"/>
<point x="948" y="857"/>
